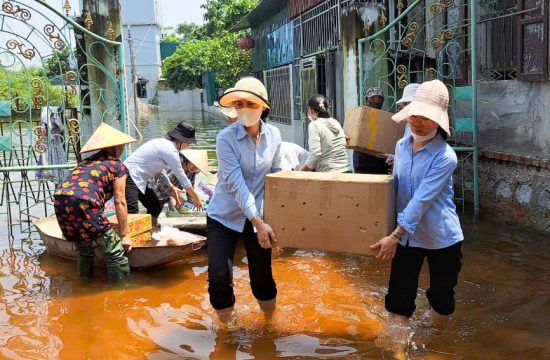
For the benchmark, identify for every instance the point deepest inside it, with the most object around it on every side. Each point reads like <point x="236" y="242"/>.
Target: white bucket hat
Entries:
<point x="430" y="101"/>
<point x="248" y="88"/>
<point x="199" y="158"/>
<point x="408" y="93"/>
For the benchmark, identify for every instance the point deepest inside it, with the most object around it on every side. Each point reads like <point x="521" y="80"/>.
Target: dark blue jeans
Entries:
<point x="221" y="245"/>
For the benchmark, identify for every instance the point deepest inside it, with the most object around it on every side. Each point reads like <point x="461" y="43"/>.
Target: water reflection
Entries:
<point x="329" y="305"/>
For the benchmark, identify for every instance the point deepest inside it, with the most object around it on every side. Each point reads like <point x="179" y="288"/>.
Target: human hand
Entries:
<point x="266" y="235"/>
<point x="387" y="247"/>
<point x="390" y="159"/>
<point x="126" y="243"/>
<point x="198" y="202"/>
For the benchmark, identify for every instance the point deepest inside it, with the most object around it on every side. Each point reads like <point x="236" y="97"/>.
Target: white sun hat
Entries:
<point x="408" y="93"/>
<point x="430" y="101"/>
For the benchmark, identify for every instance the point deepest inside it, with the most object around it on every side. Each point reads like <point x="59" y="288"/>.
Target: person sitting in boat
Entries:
<point x="80" y="198"/>
<point x="247" y="151"/>
<point x="151" y="159"/>
<point x="193" y="162"/>
<point x="327" y="141"/>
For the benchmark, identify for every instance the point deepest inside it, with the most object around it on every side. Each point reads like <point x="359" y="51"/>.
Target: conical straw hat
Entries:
<point x="199" y="158"/>
<point x="106" y="136"/>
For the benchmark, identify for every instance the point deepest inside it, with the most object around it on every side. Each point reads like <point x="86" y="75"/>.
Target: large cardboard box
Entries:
<point x="330" y="211"/>
<point x="372" y="131"/>
<point x="137" y="223"/>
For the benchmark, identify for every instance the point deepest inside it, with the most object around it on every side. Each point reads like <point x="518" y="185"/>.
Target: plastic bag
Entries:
<point x="170" y="236"/>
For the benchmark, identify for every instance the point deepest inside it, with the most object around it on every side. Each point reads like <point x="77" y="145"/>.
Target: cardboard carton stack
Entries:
<point x="330" y="211"/>
<point x="139" y="226"/>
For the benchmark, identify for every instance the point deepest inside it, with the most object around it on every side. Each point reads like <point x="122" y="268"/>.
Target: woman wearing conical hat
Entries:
<point x="80" y="199"/>
<point x="428" y="225"/>
<point x="192" y="162"/>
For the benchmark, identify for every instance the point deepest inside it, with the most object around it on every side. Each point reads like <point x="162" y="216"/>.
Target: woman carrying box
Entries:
<point x="428" y="225"/>
<point x="247" y="151"/>
<point x="80" y="199"/>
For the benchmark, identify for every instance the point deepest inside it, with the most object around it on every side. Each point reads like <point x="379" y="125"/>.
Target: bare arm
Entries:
<point x="121" y="208"/>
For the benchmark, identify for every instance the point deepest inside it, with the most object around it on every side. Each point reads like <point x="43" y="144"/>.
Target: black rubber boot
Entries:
<point x="85" y="262"/>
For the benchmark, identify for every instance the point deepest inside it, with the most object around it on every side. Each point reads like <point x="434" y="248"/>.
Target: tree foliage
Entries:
<point x="220" y="54"/>
<point x="210" y="47"/>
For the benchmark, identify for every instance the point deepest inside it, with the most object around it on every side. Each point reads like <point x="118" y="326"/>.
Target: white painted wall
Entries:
<point x="143" y="17"/>
<point x="182" y="100"/>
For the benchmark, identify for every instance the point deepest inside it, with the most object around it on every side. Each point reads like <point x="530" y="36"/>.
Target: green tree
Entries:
<point x="58" y="64"/>
<point x="210" y="47"/>
<point x="183" y="69"/>
<point x="222" y="15"/>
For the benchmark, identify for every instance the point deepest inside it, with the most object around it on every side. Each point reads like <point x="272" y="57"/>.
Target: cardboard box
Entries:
<point x="137" y="223"/>
<point x="372" y="131"/>
<point x="143" y="239"/>
<point x="330" y="211"/>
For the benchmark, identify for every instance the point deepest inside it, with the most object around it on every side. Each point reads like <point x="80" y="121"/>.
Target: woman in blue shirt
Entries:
<point x="428" y="225"/>
<point x="247" y="151"/>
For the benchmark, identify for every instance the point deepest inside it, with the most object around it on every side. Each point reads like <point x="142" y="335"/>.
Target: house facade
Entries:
<point x="497" y="79"/>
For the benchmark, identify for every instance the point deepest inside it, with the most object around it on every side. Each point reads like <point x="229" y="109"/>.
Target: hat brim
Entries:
<point x="199" y="158"/>
<point x="427" y="110"/>
<point x="404" y="100"/>
<point x="176" y="135"/>
<point x="229" y="112"/>
<point x="228" y="98"/>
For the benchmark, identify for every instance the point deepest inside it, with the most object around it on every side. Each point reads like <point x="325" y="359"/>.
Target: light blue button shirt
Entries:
<point x="425" y="207"/>
<point x="242" y="167"/>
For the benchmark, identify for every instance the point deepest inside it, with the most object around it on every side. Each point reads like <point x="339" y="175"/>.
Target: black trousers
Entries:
<point x="222" y="242"/>
<point x="444" y="266"/>
<point x="150" y="200"/>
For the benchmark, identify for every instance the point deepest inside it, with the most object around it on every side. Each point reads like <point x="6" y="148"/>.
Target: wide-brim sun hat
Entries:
<point x="249" y="89"/>
<point x="199" y="158"/>
<point x="430" y="101"/>
<point x="408" y="93"/>
<point x="106" y="136"/>
<point x="184" y="132"/>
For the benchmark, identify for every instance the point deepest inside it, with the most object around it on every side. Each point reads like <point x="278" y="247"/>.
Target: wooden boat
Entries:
<point x="140" y="257"/>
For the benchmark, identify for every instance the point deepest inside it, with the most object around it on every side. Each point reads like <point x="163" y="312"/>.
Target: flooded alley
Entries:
<point x="329" y="305"/>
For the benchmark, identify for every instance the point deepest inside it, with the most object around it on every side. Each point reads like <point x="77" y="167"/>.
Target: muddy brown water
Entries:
<point x="329" y="306"/>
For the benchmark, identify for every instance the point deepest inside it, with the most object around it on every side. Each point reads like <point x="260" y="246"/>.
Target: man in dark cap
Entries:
<point x="151" y="159"/>
<point x="366" y="163"/>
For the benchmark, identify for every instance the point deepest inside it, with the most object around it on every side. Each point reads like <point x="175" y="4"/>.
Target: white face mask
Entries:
<point x="249" y="117"/>
<point x="420" y="138"/>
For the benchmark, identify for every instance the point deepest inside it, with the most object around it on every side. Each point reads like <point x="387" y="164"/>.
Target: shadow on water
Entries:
<point x="329" y="305"/>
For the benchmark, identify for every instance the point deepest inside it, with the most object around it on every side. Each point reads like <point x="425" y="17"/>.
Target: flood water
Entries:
<point x="329" y="305"/>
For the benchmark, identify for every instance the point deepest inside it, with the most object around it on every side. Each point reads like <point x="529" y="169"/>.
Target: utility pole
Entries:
<point x="133" y="74"/>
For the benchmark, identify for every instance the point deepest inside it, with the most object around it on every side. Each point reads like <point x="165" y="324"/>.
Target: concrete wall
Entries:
<point x="181" y="100"/>
<point x="514" y="138"/>
<point x="514" y="117"/>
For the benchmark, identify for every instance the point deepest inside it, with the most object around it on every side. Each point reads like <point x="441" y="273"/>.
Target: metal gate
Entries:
<point x="278" y="82"/>
<point x="308" y="88"/>
<point x="56" y="87"/>
<point x="432" y="39"/>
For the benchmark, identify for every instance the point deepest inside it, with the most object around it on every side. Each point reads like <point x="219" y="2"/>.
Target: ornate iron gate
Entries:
<point x="55" y="88"/>
<point x="431" y="39"/>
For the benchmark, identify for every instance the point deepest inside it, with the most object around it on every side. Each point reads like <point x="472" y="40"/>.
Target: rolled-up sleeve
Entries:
<point x="430" y="187"/>
<point x="172" y="159"/>
<point x="232" y="176"/>
<point x="314" y="146"/>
